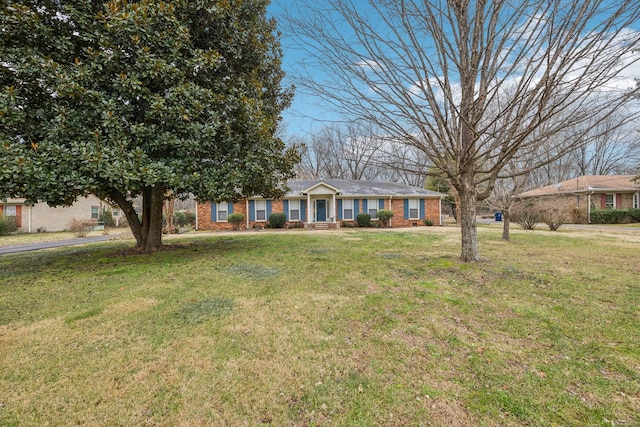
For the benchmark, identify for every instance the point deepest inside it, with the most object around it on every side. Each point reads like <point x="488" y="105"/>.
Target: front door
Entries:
<point x="321" y="210"/>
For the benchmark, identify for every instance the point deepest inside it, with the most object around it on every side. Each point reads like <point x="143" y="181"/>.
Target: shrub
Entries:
<point x="527" y="218"/>
<point x="79" y="228"/>
<point x="277" y="220"/>
<point x="577" y="216"/>
<point x="8" y="225"/>
<point x="190" y="218"/>
<point x="615" y="216"/>
<point x="179" y="219"/>
<point x="428" y="222"/>
<point x="384" y="215"/>
<point x="554" y="218"/>
<point x="236" y="219"/>
<point x="364" y="220"/>
<point x="106" y="217"/>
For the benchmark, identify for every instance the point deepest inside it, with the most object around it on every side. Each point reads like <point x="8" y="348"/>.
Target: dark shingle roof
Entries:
<point x="361" y="188"/>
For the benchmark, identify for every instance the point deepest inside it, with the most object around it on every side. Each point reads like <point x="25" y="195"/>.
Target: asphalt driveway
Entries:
<point x="48" y="245"/>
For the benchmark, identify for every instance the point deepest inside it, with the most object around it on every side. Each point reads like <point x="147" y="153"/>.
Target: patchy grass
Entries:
<point x="339" y="328"/>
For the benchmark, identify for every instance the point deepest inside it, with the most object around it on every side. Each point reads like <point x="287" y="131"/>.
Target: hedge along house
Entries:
<point x="579" y="196"/>
<point x="329" y="203"/>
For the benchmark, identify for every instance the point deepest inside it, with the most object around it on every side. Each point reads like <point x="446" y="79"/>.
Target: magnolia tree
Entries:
<point x="469" y="83"/>
<point x="140" y="98"/>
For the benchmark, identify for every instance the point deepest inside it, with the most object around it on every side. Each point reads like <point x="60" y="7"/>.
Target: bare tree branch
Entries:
<point x="471" y="84"/>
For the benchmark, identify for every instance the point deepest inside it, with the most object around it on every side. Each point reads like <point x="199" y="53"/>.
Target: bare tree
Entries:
<point x="609" y="145"/>
<point x="348" y="151"/>
<point x="504" y="197"/>
<point x="404" y="163"/>
<point x="614" y="149"/>
<point x="468" y="82"/>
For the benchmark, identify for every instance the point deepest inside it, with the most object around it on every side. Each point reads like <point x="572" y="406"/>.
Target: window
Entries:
<point x="294" y="210"/>
<point x="222" y="209"/>
<point x="636" y="201"/>
<point x="610" y="201"/>
<point x="95" y="212"/>
<point x="372" y="205"/>
<point x="115" y="213"/>
<point x="10" y="210"/>
<point x="347" y="209"/>
<point x="414" y="209"/>
<point x="261" y="210"/>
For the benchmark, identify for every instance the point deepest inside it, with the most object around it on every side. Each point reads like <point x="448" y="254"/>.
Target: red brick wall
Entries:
<point x="432" y="211"/>
<point x="204" y="217"/>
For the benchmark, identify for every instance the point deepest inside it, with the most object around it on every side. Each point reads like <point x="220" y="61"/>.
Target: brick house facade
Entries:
<point x="329" y="204"/>
<point x="581" y="195"/>
<point x="41" y="217"/>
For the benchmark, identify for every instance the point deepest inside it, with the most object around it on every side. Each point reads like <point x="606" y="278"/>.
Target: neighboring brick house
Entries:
<point x="41" y="217"/>
<point x="581" y="195"/>
<point x="329" y="203"/>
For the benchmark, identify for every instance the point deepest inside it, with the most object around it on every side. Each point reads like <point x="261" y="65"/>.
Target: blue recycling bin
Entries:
<point x="498" y="216"/>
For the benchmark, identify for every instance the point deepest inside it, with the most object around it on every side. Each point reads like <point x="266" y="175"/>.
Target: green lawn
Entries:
<point x="350" y="328"/>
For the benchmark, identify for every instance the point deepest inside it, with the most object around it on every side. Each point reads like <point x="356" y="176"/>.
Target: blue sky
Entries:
<point x="308" y="114"/>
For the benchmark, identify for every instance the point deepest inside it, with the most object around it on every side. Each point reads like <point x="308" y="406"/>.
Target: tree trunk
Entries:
<point x="506" y="222"/>
<point x="148" y="233"/>
<point x="168" y="213"/>
<point x="467" y="197"/>
<point x="130" y="213"/>
<point x="152" y="202"/>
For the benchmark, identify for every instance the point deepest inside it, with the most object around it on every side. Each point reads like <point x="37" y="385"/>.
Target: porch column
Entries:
<point x="309" y="207"/>
<point x="334" y="208"/>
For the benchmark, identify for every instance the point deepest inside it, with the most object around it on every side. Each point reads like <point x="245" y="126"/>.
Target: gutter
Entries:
<point x="197" y="218"/>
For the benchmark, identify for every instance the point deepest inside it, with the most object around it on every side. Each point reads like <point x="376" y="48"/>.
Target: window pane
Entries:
<point x="94" y="212"/>
<point x="348" y="214"/>
<point x="373" y="213"/>
<point x="261" y="210"/>
<point x="10" y="211"/>
<point x="610" y="200"/>
<point x="413" y="213"/>
<point x="222" y="215"/>
<point x="294" y="210"/>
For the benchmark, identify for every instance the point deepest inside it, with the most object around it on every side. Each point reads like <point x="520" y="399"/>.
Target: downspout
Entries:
<point x="246" y="203"/>
<point x="197" y="218"/>
<point x="589" y="208"/>
<point x="440" y="211"/>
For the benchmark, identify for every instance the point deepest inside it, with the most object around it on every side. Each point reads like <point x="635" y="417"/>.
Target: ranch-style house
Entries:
<point x="329" y="203"/>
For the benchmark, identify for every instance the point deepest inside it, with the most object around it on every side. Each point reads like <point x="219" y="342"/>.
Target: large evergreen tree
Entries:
<point x="140" y="98"/>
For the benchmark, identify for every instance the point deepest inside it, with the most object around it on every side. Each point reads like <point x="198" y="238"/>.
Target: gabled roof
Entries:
<point x="353" y="188"/>
<point x="587" y="184"/>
